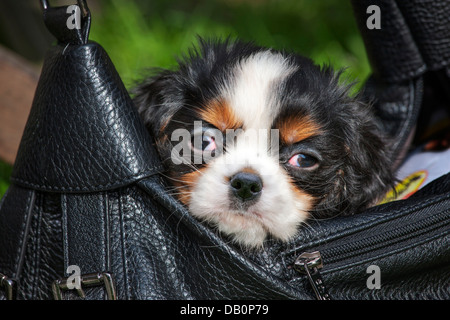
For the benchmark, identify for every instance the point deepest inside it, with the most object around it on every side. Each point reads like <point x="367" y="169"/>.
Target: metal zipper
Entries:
<point x="403" y="233"/>
<point x="344" y="250"/>
<point x="309" y="263"/>
<point x="9" y="286"/>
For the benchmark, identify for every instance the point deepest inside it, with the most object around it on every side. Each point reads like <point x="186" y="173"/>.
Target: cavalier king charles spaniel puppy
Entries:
<point x="256" y="141"/>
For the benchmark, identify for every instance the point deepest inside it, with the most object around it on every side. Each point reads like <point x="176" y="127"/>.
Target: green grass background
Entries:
<point x="143" y="34"/>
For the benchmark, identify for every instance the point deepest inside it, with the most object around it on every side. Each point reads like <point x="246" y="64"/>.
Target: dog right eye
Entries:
<point x="303" y="161"/>
<point x="206" y="141"/>
<point x="208" y="144"/>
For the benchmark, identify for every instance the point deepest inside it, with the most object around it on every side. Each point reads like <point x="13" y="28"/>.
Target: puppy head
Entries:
<point x="255" y="140"/>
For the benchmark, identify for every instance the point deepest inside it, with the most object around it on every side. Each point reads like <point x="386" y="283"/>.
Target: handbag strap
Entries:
<point x="83" y="133"/>
<point x="412" y="38"/>
<point x="72" y="29"/>
<point x="85" y="224"/>
<point x="16" y="213"/>
<point x="410" y="43"/>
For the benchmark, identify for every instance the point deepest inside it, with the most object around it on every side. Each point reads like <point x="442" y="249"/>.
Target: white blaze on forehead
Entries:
<point x="252" y="93"/>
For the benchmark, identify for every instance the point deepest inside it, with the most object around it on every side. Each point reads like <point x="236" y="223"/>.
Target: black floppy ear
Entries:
<point x="157" y="99"/>
<point x="152" y="97"/>
<point x="366" y="171"/>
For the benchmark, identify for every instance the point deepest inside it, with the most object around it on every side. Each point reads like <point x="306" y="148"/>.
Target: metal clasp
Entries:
<point x="9" y="286"/>
<point x="87" y="280"/>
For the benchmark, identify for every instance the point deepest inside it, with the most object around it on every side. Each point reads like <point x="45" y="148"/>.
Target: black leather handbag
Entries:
<point x="87" y="214"/>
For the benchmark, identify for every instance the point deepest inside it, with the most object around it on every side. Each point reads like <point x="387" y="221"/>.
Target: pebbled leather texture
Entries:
<point x="88" y="191"/>
<point x="83" y="133"/>
<point x="397" y="107"/>
<point x="14" y="228"/>
<point x="413" y="37"/>
<point x="406" y="53"/>
<point x="43" y="258"/>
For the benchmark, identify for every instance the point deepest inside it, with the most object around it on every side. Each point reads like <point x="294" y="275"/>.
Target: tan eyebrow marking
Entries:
<point x="297" y="128"/>
<point x="220" y="114"/>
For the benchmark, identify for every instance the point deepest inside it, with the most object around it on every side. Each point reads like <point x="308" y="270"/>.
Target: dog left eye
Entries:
<point x="203" y="142"/>
<point x="209" y="144"/>
<point x="301" y="160"/>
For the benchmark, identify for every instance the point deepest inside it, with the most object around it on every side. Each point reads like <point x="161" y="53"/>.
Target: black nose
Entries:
<point x="246" y="186"/>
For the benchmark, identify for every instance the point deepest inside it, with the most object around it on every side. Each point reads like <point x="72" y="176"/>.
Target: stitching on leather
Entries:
<point x="37" y="252"/>
<point x="106" y="253"/>
<point x="398" y="76"/>
<point x="102" y="203"/>
<point x="64" y="230"/>
<point x="20" y="248"/>
<point x="124" y="245"/>
<point x="404" y="124"/>
<point x="119" y="182"/>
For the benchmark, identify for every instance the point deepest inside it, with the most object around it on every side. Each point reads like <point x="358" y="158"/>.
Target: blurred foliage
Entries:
<point x="140" y="34"/>
<point x="5" y="172"/>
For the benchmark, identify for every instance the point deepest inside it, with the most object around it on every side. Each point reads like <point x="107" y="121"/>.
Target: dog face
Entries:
<point x="255" y="141"/>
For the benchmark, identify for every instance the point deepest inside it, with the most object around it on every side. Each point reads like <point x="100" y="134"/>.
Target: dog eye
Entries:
<point x="202" y="142"/>
<point x="209" y="144"/>
<point x="301" y="160"/>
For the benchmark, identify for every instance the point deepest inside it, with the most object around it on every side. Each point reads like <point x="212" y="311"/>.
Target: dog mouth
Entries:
<point x="241" y="220"/>
<point x="249" y="213"/>
<point x="256" y="214"/>
<point x="244" y="208"/>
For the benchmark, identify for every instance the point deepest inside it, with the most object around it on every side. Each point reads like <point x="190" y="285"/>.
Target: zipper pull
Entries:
<point x="309" y="263"/>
